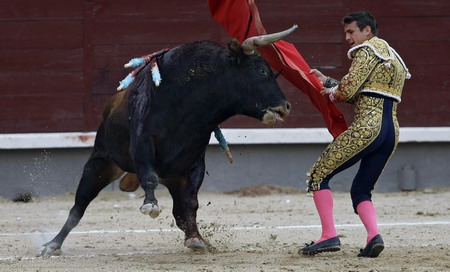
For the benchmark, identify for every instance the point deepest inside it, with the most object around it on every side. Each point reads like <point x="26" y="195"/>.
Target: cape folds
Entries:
<point x="241" y="20"/>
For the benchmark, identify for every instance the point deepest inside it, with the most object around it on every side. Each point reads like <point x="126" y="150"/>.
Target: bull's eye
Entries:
<point x="263" y="71"/>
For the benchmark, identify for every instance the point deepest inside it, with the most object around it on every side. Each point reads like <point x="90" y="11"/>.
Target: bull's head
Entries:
<point x="262" y="97"/>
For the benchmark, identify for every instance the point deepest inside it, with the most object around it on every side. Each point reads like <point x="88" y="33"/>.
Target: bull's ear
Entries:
<point x="235" y="46"/>
<point x="236" y="50"/>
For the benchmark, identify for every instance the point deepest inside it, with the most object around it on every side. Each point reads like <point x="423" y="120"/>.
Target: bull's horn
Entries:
<point x="250" y="44"/>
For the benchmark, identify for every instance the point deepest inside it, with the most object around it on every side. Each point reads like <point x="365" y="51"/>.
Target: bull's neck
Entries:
<point x="222" y="108"/>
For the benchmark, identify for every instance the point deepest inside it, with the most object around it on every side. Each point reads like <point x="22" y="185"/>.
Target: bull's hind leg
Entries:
<point x="185" y="204"/>
<point x="97" y="173"/>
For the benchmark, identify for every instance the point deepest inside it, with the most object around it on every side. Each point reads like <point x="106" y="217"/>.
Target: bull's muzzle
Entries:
<point x="276" y="115"/>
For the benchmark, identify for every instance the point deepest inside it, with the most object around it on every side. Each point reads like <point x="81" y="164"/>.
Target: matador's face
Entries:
<point x="354" y="36"/>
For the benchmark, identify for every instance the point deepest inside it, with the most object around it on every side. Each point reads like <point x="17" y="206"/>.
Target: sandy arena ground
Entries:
<point x="249" y="231"/>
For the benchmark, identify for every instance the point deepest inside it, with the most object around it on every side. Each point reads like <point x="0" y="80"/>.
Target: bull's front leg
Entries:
<point x="149" y="182"/>
<point x="142" y="147"/>
<point x="144" y="161"/>
<point x="185" y="204"/>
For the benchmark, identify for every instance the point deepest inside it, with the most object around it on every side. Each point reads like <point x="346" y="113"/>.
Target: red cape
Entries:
<point x="241" y="20"/>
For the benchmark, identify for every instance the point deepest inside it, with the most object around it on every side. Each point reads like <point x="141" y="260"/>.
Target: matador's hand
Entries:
<point x="319" y="75"/>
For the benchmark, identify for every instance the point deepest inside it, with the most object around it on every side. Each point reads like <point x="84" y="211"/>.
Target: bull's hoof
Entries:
<point x="195" y="244"/>
<point x="50" y="249"/>
<point x="150" y="209"/>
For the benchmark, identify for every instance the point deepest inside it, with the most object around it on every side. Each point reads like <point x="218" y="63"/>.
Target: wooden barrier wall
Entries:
<point x="61" y="60"/>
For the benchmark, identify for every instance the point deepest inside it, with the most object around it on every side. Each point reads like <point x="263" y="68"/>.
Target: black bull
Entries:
<point x="160" y="134"/>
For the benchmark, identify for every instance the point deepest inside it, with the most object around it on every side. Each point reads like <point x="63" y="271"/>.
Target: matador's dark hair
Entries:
<point x="363" y="19"/>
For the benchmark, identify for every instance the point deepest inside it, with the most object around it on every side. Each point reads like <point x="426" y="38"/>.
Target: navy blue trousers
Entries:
<point x="373" y="159"/>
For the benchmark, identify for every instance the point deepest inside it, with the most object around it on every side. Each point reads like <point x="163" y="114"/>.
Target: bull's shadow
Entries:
<point x="160" y="133"/>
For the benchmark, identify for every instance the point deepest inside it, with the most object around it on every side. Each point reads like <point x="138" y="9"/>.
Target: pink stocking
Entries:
<point x="323" y="199"/>
<point x="368" y="216"/>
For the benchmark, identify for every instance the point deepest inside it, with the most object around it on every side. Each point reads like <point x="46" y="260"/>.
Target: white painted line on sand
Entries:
<point x="250" y="228"/>
<point x="14" y="258"/>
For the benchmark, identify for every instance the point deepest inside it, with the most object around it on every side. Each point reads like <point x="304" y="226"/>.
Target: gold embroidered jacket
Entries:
<point x="376" y="68"/>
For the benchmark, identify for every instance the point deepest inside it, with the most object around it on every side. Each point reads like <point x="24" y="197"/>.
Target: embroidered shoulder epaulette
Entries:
<point x="381" y="49"/>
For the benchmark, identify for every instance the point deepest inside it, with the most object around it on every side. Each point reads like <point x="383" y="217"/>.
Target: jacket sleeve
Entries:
<point x="364" y="61"/>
